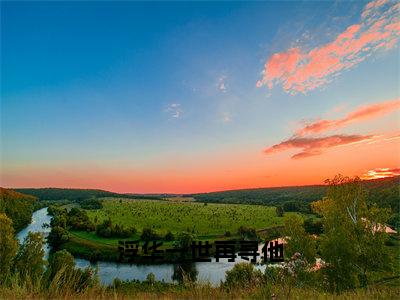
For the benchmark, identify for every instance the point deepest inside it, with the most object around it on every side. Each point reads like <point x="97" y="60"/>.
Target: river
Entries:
<point x="213" y="272"/>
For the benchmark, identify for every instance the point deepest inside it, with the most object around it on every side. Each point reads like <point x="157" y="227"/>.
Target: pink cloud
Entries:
<point x="301" y="71"/>
<point x="360" y="114"/>
<point x="311" y="146"/>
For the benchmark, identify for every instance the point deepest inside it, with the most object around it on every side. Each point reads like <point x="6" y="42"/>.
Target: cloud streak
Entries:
<point x="380" y="173"/>
<point x="222" y="86"/>
<point x="175" y="110"/>
<point x="299" y="71"/>
<point x="360" y="114"/>
<point x="312" y="146"/>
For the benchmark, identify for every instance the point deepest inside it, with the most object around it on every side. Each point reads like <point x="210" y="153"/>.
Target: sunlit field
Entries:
<point x="199" y="218"/>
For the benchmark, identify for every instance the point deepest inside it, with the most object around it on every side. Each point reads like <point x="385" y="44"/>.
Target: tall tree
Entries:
<point x="29" y="262"/>
<point x="8" y="246"/>
<point x="298" y="240"/>
<point x="353" y="241"/>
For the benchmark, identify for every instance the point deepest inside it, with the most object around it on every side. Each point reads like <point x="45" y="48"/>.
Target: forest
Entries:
<point x="57" y="194"/>
<point x="17" y="206"/>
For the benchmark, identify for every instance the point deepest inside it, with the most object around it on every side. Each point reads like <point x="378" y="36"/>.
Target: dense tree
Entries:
<point x="353" y="241"/>
<point x="149" y="234"/>
<point x="58" y="194"/>
<point x="184" y="241"/>
<point x="78" y="219"/>
<point x="107" y="229"/>
<point x="298" y="240"/>
<point x="384" y="192"/>
<point x="57" y="237"/>
<point x="313" y="226"/>
<point x="29" y="262"/>
<point x="169" y="236"/>
<point x="18" y="207"/>
<point x="60" y="261"/>
<point x="279" y="211"/>
<point x="247" y="232"/>
<point x="91" y="203"/>
<point x="8" y="246"/>
<point x="243" y="275"/>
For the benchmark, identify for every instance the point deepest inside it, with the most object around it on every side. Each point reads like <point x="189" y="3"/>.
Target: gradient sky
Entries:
<point x="188" y="97"/>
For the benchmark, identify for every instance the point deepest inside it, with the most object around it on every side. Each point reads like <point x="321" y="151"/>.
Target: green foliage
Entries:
<point x="243" y="276"/>
<point x="29" y="262"/>
<point x="384" y="193"/>
<point x="8" y="246"/>
<point x="57" y="236"/>
<point x="107" y="229"/>
<point x="279" y="211"/>
<point x="313" y="226"/>
<point x="149" y="234"/>
<point x="169" y="236"/>
<point x="394" y="221"/>
<point x="57" y="194"/>
<point x="184" y="240"/>
<point x="78" y="220"/>
<point x="298" y="240"/>
<point x="247" y="233"/>
<point x="60" y="261"/>
<point x="268" y="196"/>
<point x="151" y="278"/>
<point x="18" y="207"/>
<point x="185" y="273"/>
<point x="353" y="241"/>
<point x="91" y="203"/>
<point x="164" y="216"/>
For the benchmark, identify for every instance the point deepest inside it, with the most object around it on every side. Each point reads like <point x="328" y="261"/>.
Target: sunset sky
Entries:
<point x="188" y="97"/>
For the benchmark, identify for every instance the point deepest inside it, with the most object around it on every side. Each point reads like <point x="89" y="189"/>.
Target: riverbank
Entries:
<point x="213" y="272"/>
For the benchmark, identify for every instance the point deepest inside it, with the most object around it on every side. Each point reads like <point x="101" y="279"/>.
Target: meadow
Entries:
<point x="199" y="218"/>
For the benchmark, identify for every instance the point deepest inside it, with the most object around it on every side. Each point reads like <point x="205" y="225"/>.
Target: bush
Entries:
<point x="312" y="226"/>
<point x="107" y="230"/>
<point x="169" y="236"/>
<point x="91" y="203"/>
<point x="247" y="232"/>
<point x="243" y="275"/>
<point x="279" y="211"/>
<point x="57" y="237"/>
<point x="149" y="234"/>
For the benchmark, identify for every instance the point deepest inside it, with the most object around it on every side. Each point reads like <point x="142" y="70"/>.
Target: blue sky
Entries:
<point x="169" y="88"/>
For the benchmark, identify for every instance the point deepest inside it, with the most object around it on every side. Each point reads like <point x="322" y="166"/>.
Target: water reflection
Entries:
<point x="185" y="272"/>
<point x="213" y="272"/>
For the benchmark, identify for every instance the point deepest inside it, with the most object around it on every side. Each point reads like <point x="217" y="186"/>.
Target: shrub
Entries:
<point x="247" y="232"/>
<point x="169" y="236"/>
<point x="243" y="275"/>
<point x="149" y="234"/>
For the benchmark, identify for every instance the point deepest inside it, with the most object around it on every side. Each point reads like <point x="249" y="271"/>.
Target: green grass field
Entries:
<point x="210" y="219"/>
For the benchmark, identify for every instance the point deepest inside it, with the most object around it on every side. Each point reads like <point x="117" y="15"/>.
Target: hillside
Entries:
<point x="55" y="194"/>
<point x="18" y="207"/>
<point x="385" y="192"/>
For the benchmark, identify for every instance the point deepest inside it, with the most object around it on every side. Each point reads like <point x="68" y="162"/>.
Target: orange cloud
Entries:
<point x="380" y="173"/>
<point x="317" y="145"/>
<point x="360" y="114"/>
<point x="301" y="71"/>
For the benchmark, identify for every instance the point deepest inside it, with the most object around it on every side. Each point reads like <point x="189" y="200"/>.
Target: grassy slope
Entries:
<point x="277" y="195"/>
<point x="208" y="221"/>
<point x="211" y="219"/>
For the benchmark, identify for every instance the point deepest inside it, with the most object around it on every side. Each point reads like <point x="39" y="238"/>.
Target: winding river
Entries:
<point x="213" y="272"/>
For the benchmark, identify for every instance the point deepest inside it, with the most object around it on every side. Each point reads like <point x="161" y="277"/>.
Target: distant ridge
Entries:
<point x="55" y="194"/>
<point x="385" y="192"/>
